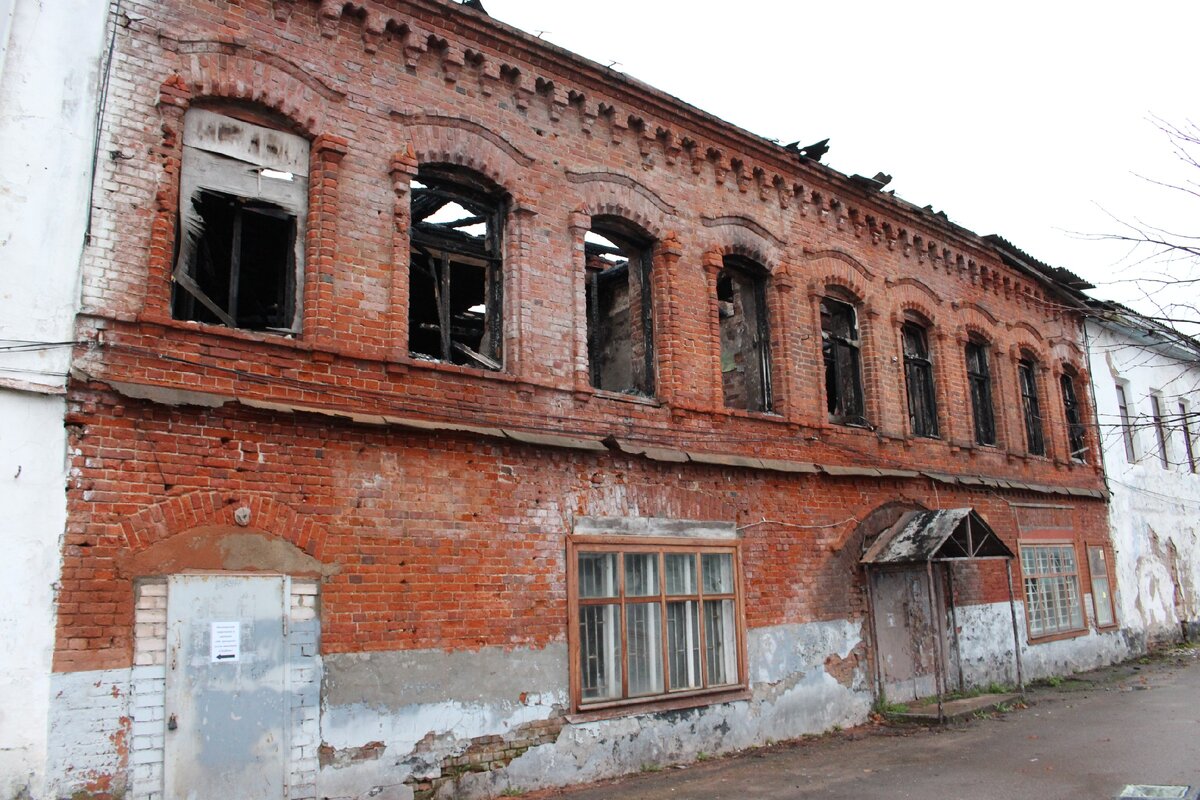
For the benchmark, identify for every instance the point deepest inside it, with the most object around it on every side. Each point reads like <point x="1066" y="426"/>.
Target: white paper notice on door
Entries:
<point x="226" y="642"/>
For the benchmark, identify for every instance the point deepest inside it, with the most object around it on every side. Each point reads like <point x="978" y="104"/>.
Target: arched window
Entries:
<point x="843" y="372"/>
<point x="745" y="335"/>
<point x="1076" y="430"/>
<point x="619" y="307"/>
<point x="243" y="203"/>
<point x="456" y="289"/>
<point x="979" y="380"/>
<point x="1035" y="442"/>
<point x="918" y="377"/>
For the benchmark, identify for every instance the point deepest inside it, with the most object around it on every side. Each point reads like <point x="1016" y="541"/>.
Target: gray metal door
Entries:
<point x="907" y="634"/>
<point x="226" y="691"/>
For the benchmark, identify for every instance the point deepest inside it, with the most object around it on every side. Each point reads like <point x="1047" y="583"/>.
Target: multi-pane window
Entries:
<point x="1126" y="425"/>
<point x="243" y="200"/>
<point x="843" y="374"/>
<point x="1185" y="424"/>
<point x="620" y="320"/>
<point x="1076" y="430"/>
<point x="456" y="295"/>
<point x="1035" y="441"/>
<point x="1052" y="602"/>
<point x="654" y="623"/>
<point x="1101" y="593"/>
<point x="979" y="379"/>
<point x="745" y="335"/>
<point x="918" y="377"/>
<point x="1160" y="430"/>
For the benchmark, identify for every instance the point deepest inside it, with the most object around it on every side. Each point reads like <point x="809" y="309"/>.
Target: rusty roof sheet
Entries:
<point x="921" y="536"/>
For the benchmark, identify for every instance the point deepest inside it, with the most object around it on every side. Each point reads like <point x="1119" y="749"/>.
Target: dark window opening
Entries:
<point x="1160" y="431"/>
<point x="619" y="309"/>
<point x="1126" y="425"/>
<point x="243" y="198"/>
<point x="979" y="378"/>
<point x="1188" y="445"/>
<point x="843" y="374"/>
<point x="745" y="336"/>
<point x="242" y="264"/>
<point x="1035" y="441"/>
<point x="918" y="375"/>
<point x="455" y="301"/>
<point x="1076" y="430"/>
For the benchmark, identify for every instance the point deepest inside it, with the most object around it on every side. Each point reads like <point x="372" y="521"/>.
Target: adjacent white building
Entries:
<point x="50" y="70"/>
<point x="1146" y="379"/>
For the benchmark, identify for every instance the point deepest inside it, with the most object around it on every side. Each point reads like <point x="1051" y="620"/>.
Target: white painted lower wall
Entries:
<point x="986" y="647"/>
<point x="33" y="451"/>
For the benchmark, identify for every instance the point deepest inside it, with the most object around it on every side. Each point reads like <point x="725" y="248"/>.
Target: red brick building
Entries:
<point x="457" y="415"/>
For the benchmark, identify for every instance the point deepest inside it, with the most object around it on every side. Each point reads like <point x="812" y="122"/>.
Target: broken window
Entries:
<point x="1076" y="430"/>
<point x="1035" y="441"/>
<point x="745" y="335"/>
<point x="619" y="308"/>
<point x="918" y="377"/>
<point x="979" y="378"/>
<point x="843" y="374"/>
<point x="1052" y="601"/>
<point x="654" y="622"/>
<point x="1126" y="425"/>
<point x="455" y="301"/>
<point x="243" y="202"/>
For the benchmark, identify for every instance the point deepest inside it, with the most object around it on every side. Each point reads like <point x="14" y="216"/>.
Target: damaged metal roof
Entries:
<point x="920" y="536"/>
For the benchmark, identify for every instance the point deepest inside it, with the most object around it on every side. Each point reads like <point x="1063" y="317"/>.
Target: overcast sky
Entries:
<point x="1026" y="119"/>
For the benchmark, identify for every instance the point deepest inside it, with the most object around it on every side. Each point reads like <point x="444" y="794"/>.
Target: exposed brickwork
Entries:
<point x="484" y="753"/>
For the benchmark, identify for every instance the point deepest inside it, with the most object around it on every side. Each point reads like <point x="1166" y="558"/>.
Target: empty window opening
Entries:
<point x="843" y="374"/>
<point x="1126" y="425"/>
<point x="619" y="308"/>
<point x="1189" y="445"/>
<point x="1160" y="431"/>
<point x="979" y="378"/>
<point x="745" y="335"/>
<point x="243" y="202"/>
<point x="455" y="302"/>
<point x="1076" y="430"/>
<point x="918" y="376"/>
<point x="1035" y="441"/>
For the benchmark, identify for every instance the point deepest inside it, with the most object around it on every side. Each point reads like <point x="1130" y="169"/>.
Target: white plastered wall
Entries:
<point x="50" y="56"/>
<point x="1155" y="509"/>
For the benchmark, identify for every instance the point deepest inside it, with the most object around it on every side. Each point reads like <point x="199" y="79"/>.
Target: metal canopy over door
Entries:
<point x="226" y="687"/>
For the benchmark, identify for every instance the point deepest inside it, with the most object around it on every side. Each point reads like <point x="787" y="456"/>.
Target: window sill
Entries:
<point x="765" y="416"/>
<point x="1057" y="637"/>
<point x="621" y="397"/>
<point x="291" y="341"/>
<point x="412" y="362"/>
<point x="633" y="707"/>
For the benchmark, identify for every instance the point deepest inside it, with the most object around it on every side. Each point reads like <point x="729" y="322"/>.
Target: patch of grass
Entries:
<point x="651" y="768"/>
<point x="702" y="756"/>
<point x="883" y="707"/>
<point x="512" y="791"/>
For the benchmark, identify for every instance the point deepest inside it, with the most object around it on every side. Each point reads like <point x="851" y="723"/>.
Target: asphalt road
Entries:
<point x="1086" y="738"/>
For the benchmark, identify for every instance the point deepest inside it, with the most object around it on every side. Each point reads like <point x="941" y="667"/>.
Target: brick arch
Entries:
<point x="609" y="199"/>
<point x="910" y="306"/>
<point x="202" y="509"/>
<point x="971" y="321"/>
<point x="252" y="78"/>
<point x="465" y="146"/>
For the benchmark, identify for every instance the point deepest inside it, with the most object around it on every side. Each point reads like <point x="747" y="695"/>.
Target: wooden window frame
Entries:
<point x="1126" y="423"/>
<point x="1160" y="429"/>
<point x="1112" y="606"/>
<point x="842" y="360"/>
<point x="918" y="380"/>
<point x="1077" y="445"/>
<point x="659" y="545"/>
<point x="1189" y="445"/>
<point x="979" y="386"/>
<point x="1026" y="578"/>
<point x="744" y="270"/>
<point x="1031" y="407"/>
